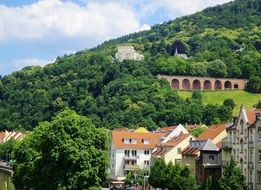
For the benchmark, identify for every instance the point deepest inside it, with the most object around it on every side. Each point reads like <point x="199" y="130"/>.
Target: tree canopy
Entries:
<point x="67" y="153"/>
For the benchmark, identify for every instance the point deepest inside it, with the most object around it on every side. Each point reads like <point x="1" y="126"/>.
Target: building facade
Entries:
<point x="243" y="144"/>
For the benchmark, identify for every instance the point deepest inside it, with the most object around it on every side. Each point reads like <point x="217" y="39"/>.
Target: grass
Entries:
<point x="217" y="97"/>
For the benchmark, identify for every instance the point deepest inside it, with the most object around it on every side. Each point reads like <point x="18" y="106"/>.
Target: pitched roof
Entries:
<point x="119" y="136"/>
<point x="251" y="116"/>
<point x="173" y="142"/>
<point x="212" y="132"/>
<point x="166" y="129"/>
<point x="190" y="151"/>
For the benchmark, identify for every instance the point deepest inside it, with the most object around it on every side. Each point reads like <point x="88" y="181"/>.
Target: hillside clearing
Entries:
<point x="217" y="97"/>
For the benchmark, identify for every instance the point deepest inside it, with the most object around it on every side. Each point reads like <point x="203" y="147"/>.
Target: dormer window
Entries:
<point x="133" y="141"/>
<point x="126" y="141"/>
<point x="145" y="141"/>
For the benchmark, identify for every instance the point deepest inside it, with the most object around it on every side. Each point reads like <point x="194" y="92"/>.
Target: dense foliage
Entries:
<point x="222" y="41"/>
<point x="232" y="178"/>
<point x="67" y="153"/>
<point x="173" y="177"/>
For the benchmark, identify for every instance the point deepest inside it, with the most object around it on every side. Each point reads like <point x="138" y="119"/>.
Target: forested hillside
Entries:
<point x="222" y="41"/>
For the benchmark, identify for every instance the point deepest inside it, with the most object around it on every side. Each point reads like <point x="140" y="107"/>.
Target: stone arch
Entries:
<point x="175" y="83"/>
<point x="236" y="86"/>
<point x="196" y="85"/>
<point x="218" y="85"/>
<point x="186" y="84"/>
<point x="228" y="85"/>
<point x="207" y="85"/>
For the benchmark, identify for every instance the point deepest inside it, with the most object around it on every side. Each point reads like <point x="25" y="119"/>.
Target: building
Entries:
<point x="177" y="54"/>
<point x="244" y="145"/>
<point x="206" y="145"/>
<point x="171" y="150"/>
<point x="128" y="53"/>
<point x="6" y="135"/>
<point x="131" y="150"/>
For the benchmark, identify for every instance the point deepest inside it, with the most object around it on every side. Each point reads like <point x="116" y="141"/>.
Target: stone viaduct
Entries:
<point x="204" y="83"/>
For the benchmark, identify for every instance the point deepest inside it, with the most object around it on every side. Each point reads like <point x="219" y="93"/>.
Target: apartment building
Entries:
<point x="244" y="145"/>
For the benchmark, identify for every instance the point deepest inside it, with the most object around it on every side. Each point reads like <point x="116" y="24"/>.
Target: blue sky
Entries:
<point x="36" y="32"/>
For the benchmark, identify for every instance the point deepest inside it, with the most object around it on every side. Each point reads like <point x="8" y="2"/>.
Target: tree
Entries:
<point x="209" y="184"/>
<point x="229" y="103"/>
<point x="254" y="84"/>
<point x="232" y="178"/>
<point x="66" y="153"/>
<point x="217" y="68"/>
<point x="258" y="104"/>
<point x="6" y="149"/>
<point x="198" y="131"/>
<point x="158" y="174"/>
<point x="196" y="95"/>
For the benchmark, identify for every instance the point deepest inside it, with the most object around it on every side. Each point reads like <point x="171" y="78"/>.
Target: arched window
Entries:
<point x="228" y="85"/>
<point x="241" y="164"/>
<point x="218" y="85"/>
<point x="196" y="85"/>
<point x="241" y="145"/>
<point x="241" y="126"/>
<point x="207" y="85"/>
<point x="236" y="86"/>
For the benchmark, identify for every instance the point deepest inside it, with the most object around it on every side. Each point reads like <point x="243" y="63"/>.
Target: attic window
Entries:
<point x="133" y="141"/>
<point x="126" y="141"/>
<point x="145" y="141"/>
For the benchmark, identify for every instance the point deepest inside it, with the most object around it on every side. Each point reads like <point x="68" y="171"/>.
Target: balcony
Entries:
<point x="129" y="157"/>
<point x="227" y="145"/>
<point x="131" y="167"/>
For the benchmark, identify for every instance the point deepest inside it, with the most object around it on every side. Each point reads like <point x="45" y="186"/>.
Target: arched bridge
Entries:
<point x="204" y="83"/>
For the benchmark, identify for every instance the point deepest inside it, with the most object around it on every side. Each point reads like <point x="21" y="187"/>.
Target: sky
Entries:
<point x="36" y="32"/>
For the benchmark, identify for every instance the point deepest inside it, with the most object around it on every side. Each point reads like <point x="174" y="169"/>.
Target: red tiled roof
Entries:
<point x="119" y="136"/>
<point x="166" y="129"/>
<point x="190" y="151"/>
<point x="177" y="140"/>
<point x="212" y="132"/>
<point x="251" y="116"/>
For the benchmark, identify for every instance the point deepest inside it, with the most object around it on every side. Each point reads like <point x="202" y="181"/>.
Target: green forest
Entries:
<point x="222" y="41"/>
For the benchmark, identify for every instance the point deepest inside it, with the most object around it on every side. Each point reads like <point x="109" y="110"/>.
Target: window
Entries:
<point x="259" y="155"/>
<point x="127" y="153"/>
<point x="146" y="163"/>
<point x="259" y="134"/>
<point x="211" y="157"/>
<point x="146" y="152"/>
<point x="241" y="145"/>
<point x="241" y="164"/>
<point x="258" y="176"/>
<point x="133" y="141"/>
<point x="241" y="126"/>
<point x="112" y="165"/>
<point x="127" y="162"/>
<point x="145" y="141"/>
<point x="134" y="153"/>
<point x="133" y="162"/>
<point x="179" y="150"/>
<point x="126" y="141"/>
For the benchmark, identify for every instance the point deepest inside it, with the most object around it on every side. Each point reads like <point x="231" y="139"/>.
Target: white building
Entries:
<point x="128" y="53"/>
<point x="131" y="150"/>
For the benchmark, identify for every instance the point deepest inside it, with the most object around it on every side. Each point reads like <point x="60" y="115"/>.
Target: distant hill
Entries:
<point x="222" y="41"/>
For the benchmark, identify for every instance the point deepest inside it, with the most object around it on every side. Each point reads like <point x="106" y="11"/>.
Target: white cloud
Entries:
<point x="21" y="63"/>
<point x="58" y="19"/>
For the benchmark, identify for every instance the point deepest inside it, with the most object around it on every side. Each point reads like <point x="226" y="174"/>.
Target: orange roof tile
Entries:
<point x="212" y="132"/>
<point x="220" y="144"/>
<point x="119" y="136"/>
<point x="251" y="116"/>
<point x="166" y="129"/>
<point x="176" y="140"/>
<point x="190" y="151"/>
<point x="2" y="135"/>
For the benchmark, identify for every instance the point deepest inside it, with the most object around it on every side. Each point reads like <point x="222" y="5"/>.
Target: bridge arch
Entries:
<point x="207" y="85"/>
<point x="196" y="85"/>
<point x="186" y="84"/>
<point x="218" y="85"/>
<point x="228" y="85"/>
<point x="175" y="83"/>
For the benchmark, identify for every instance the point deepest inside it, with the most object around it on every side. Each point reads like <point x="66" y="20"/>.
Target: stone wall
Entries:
<point x="204" y="83"/>
<point x="128" y="53"/>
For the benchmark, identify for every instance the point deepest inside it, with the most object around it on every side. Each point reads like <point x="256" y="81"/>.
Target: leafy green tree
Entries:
<point x="198" y="131"/>
<point x="232" y="178"/>
<point x="209" y="184"/>
<point x="229" y="103"/>
<point x="254" y="84"/>
<point x="217" y="68"/>
<point x="6" y="149"/>
<point x="66" y="153"/>
<point x="196" y="95"/>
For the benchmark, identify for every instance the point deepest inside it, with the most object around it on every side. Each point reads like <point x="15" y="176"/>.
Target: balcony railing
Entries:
<point x="130" y="157"/>
<point x="131" y="167"/>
